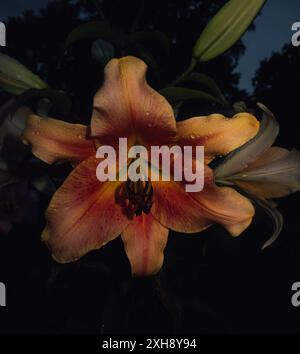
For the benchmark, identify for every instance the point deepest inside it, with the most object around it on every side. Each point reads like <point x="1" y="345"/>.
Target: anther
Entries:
<point x="140" y="195"/>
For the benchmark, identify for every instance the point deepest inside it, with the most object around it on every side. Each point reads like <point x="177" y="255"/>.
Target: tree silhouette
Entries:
<point x="276" y="83"/>
<point x="38" y="39"/>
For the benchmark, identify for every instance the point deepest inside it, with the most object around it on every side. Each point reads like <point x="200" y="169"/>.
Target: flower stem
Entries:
<point x="185" y="73"/>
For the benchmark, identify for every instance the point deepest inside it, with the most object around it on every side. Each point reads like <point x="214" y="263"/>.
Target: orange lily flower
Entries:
<point x="84" y="214"/>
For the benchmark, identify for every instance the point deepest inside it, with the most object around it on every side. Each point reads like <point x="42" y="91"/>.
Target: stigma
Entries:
<point x="140" y="195"/>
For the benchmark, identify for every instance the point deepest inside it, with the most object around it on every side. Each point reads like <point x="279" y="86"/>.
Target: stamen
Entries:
<point x="140" y="195"/>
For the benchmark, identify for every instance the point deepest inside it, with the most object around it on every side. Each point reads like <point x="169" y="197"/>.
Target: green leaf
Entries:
<point x="15" y="78"/>
<point x="177" y="94"/>
<point x="102" y="51"/>
<point x="152" y="38"/>
<point x="59" y="99"/>
<point x="97" y="30"/>
<point x="207" y="82"/>
<point x="225" y="28"/>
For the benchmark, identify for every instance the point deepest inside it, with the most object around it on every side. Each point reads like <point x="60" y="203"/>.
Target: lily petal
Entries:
<point x="176" y="210"/>
<point x="217" y="133"/>
<point x="57" y="141"/>
<point x="126" y="105"/>
<point x="79" y="218"/>
<point x="242" y="157"/>
<point x="145" y="240"/>
<point x="194" y="212"/>
<point x="226" y="207"/>
<point x="270" y="209"/>
<point x="275" y="174"/>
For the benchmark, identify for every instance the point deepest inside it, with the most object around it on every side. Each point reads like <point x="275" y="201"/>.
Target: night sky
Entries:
<point x="273" y="30"/>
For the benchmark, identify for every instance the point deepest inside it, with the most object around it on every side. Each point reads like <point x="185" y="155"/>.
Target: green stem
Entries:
<point x="185" y="73"/>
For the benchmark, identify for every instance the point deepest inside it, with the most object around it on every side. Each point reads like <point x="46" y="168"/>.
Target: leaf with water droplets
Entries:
<point x="15" y="78"/>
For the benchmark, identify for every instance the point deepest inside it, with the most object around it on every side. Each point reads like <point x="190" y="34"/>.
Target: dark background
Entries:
<point x="210" y="283"/>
